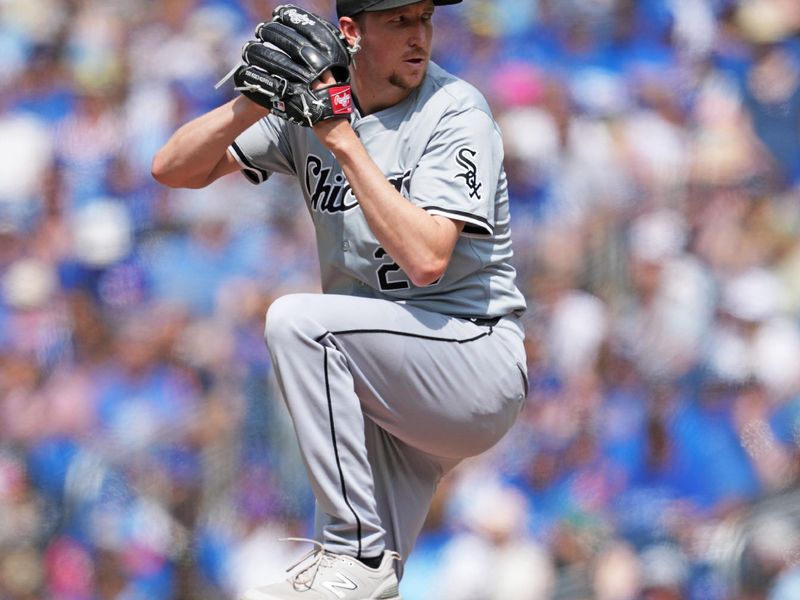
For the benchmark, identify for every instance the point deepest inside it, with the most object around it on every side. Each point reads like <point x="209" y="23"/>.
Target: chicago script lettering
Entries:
<point x="331" y="193"/>
<point x="327" y="194"/>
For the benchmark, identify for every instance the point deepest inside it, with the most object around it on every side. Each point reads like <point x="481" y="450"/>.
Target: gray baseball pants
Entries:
<point x="385" y="399"/>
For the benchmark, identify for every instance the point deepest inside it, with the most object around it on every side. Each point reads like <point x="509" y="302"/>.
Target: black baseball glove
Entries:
<point x="290" y="53"/>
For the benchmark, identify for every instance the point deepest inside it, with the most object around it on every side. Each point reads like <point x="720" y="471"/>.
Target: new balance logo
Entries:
<point x="343" y="583"/>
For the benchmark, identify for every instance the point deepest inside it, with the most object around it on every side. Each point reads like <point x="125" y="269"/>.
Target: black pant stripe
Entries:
<point x="406" y="334"/>
<point x="336" y="454"/>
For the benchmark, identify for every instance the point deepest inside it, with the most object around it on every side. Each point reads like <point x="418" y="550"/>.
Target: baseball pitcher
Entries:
<point x="412" y="359"/>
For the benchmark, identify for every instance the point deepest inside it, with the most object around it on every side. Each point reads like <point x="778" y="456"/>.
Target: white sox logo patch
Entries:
<point x="298" y="18"/>
<point x="344" y="583"/>
<point x="331" y="193"/>
<point x="470" y="175"/>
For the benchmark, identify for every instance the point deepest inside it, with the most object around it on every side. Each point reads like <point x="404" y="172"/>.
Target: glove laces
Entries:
<point x="307" y="112"/>
<point x="354" y="49"/>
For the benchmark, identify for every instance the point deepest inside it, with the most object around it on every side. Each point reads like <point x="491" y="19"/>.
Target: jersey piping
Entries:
<point x="252" y="172"/>
<point x="473" y="224"/>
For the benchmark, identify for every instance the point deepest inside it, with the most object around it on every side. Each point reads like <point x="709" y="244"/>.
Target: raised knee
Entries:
<point x="288" y="316"/>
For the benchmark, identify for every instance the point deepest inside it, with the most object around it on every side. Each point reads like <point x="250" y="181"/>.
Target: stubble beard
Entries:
<point x="407" y="84"/>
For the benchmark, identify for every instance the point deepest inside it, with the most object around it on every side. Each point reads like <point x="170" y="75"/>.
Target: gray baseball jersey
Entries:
<point x="387" y="385"/>
<point x="445" y="158"/>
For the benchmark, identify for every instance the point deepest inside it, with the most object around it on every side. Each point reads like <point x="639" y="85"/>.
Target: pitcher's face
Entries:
<point x="396" y="45"/>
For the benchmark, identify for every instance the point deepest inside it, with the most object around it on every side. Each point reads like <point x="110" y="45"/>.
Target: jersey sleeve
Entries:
<point x="458" y="172"/>
<point x="263" y="149"/>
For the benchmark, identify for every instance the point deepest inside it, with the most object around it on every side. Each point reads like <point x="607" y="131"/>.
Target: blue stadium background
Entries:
<point x="653" y="154"/>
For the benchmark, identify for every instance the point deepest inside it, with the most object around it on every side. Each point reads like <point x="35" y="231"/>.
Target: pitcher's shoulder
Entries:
<point x="452" y="93"/>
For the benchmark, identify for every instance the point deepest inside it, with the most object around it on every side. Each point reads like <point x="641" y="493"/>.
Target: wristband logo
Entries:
<point x="341" y="100"/>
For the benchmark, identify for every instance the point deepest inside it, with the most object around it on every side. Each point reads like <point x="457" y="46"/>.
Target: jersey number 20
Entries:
<point x="383" y="273"/>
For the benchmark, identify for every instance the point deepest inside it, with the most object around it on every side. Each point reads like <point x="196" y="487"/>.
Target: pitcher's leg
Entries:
<point x="442" y="386"/>
<point x="405" y="482"/>
<point x="326" y="414"/>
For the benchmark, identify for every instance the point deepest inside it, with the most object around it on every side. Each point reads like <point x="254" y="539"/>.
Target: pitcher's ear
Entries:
<point x="352" y="33"/>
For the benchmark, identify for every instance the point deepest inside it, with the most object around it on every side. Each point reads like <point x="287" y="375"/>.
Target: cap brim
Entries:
<point x="357" y="7"/>
<point x="389" y="4"/>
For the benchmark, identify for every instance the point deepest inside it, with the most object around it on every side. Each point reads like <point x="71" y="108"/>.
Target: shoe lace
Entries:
<point x="303" y="579"/>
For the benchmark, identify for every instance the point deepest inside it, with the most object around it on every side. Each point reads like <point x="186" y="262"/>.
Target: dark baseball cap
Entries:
<point x="348" y="8"/>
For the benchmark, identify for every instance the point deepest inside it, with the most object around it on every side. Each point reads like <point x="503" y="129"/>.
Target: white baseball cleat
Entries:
<point x="324" y="575"/>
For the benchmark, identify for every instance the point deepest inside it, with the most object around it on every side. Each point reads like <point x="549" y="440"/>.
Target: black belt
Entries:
<point x="485" y="321"/>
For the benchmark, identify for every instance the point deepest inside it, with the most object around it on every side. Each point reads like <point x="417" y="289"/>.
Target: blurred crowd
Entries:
<point x="653" y="156"/>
